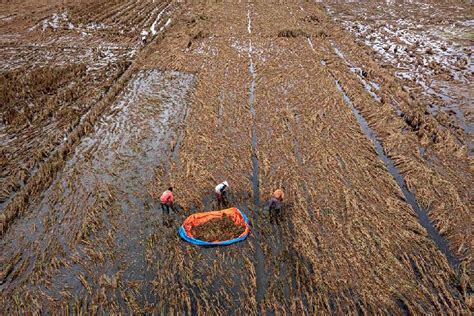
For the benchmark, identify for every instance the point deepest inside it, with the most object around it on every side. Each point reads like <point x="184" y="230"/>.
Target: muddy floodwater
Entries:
<point x="103" y="187"/>
<point x="361" y="112"/>
<point x="428" y="43"/>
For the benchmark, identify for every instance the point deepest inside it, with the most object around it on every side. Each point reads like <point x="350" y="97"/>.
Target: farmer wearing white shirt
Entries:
<point x="221" y="193"/>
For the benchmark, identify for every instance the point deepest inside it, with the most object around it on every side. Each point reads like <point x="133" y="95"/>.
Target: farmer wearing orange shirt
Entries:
<point x="167" y="200"/>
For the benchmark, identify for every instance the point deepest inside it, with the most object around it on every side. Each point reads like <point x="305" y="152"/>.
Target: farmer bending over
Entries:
<point x="275" y="205"/>
<point x="167" y="200"/>
<point x="221" y="193"/>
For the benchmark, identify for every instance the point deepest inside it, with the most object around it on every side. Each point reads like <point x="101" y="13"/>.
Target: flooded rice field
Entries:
<point x="53" y="77"/>
<point x="428" y="43"/>
<point x="321" y="99"/>
<point x="100" y="200"/>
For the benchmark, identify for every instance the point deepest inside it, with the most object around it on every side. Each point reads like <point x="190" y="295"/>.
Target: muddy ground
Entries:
<point x="59" y="59"/>
<point x="106" y="104"/>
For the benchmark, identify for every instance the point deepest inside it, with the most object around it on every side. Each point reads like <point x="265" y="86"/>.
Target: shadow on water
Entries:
<point x="299" y="158"/>
<point x="259" y="256"/>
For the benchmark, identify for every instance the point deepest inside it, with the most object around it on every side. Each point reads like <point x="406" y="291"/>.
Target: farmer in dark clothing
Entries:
<point x="275" y="205"/>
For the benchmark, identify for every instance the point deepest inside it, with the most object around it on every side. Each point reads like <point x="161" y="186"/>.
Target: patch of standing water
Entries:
<point x="97" y="65"/>
<point x="436" y="56"/>
<point x="139" y="136"/>
<point x="255" y="167"/>
<point x="157" y="20"/>
<point x="132" y="141"/>
<point x="393" y="170"/>
<point x="117" y="161"/>
<point x="368" y="85"/>
<point x="260" y="260"/>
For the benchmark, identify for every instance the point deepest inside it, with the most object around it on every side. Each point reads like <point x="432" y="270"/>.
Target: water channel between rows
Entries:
<point x="410" y="198"/>
<point x="259" y="256"/>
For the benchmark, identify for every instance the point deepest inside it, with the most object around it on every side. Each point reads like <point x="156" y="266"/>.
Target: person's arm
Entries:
<point x="224" y="187"/>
